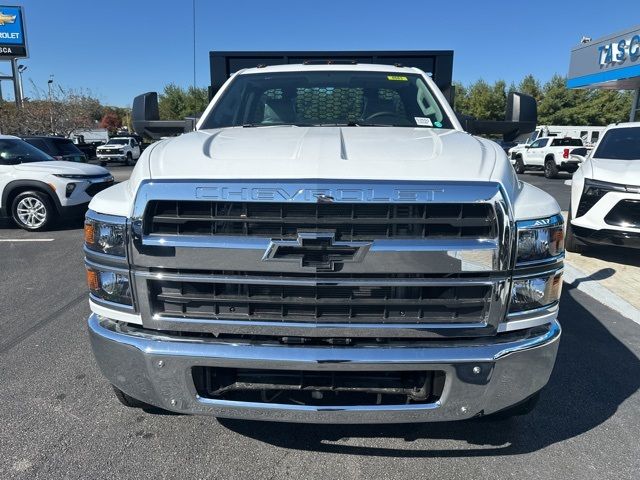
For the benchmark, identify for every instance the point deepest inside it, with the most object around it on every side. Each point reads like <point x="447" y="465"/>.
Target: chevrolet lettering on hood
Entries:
<point x="267" y="194"/>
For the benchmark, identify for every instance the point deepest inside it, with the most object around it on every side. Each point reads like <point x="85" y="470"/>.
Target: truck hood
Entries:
<point x="615" y="171"/>
<point x="58" y="166"/>
<point x="355" y="153"/>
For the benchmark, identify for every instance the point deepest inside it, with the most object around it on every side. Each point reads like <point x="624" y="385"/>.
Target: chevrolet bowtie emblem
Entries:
<point x="314" y="250"/>
<point x="7" y="19"/>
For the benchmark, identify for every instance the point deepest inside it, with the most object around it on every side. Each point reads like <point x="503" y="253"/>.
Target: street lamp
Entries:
<point x="50" y="84"/>
<point x="21" y="68"/>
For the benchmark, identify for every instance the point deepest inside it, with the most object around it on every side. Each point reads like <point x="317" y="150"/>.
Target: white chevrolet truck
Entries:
<point x="120" y="149"/>
<point x="328" y="246"/>
<point x="549" y="154"/>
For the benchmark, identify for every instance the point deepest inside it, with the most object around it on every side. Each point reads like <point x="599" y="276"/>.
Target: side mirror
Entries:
<point x="521" y="108"/>
<point x="527" y="146"/>
<point x="521" y="117"/>
<point x="145" y="117"/>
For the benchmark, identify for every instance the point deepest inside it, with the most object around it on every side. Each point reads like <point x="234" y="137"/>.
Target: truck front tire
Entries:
<point x="550" y="168"/>
<point x="519" y="166"/>
<point x="32" y="210"/>
<point x="128" y="161"/>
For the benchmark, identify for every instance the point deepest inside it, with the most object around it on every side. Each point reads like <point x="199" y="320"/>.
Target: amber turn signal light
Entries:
<point x="93" y="280"/>
<point x="89" y="233"/>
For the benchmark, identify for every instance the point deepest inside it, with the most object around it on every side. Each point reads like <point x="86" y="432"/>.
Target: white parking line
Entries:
<point x="595" y="289"/>
<point x="27" y="239"/>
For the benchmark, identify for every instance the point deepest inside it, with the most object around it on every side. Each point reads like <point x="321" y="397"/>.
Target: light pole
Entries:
<point x="50" y="84"/>
<point x="21" y="68"/>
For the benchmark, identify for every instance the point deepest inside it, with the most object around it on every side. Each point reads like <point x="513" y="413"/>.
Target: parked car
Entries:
<point x="35" y="189"/>
<point x="59" y="148"/>
<point x="122" y="149"/>
<point x="305" y="258"/>
<point x="550" y="154"/>
<point x="605" y="192"/>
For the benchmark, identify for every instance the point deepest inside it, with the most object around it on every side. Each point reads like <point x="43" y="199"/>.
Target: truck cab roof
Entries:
<point x="348" y="67"/>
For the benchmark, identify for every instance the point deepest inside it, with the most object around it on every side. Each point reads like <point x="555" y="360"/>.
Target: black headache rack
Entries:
<point x="439" y="63"/>
<point x="521" y="115"/>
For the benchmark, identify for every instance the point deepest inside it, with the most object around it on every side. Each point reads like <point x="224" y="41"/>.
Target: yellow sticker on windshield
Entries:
<point x="396" y="77"/>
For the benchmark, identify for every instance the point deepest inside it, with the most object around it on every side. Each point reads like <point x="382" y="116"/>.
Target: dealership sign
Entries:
<point x="619" y="52"/>
<point x="609" y="62"/>
<point x="13" y="43"/>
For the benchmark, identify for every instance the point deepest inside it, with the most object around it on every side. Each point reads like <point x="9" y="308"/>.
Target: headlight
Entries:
<point x="72" y="176"/>
<point x="540" y="240"/>
<point x="110" y="286"/>
<point x="594" y="190"/>
<point x="105" y="234"/>
<point x="536" y="292"/>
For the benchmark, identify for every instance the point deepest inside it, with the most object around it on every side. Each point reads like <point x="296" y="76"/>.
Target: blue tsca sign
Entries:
<point x="612" y="62"/>
<point x="620" y="51"/>
<point x="13" y="43"/>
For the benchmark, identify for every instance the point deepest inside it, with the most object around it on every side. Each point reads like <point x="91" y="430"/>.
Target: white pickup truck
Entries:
<point x="121" y="149"/>
<point x="328" y="246"/>
<point x="550" y="154"/>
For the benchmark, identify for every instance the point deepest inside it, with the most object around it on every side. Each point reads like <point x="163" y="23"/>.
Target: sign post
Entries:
<point x="13" y="43"/>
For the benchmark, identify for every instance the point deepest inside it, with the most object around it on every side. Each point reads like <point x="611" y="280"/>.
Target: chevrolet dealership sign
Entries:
<point x="609" y="62"/>
<point x="13" y="43"/>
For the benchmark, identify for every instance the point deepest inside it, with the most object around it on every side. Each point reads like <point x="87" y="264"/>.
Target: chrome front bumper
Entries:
<point x="157" y="369"/>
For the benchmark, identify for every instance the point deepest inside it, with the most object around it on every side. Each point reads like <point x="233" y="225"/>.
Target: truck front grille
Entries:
<point x="349" y="221"/>
<point x="371" y="301"/>
<point x="322" y="260"/>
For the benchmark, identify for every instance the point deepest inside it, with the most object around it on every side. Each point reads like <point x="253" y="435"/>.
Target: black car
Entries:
<point x="59" y="148"/>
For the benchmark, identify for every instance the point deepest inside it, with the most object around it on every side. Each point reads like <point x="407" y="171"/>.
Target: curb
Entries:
<point x="581" y="281"/>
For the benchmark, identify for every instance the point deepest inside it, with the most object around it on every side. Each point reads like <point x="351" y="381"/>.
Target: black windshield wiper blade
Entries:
<point x="354" y="124"/>
<point x="255" y="125"/>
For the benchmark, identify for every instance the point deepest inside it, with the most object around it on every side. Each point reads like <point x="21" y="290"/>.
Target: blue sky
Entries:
<point x="117" y="48"/>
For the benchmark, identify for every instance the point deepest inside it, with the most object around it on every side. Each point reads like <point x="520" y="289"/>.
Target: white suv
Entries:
<point x="122" y="149"/>
<point x="605" y="192"/>
<point x="35" y="188"/>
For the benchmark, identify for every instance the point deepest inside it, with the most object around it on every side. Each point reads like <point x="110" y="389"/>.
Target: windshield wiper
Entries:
<point x="256" y="125"/>
<point x="354" y="124"/>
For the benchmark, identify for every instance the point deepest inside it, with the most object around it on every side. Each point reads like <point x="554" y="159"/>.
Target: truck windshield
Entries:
<point x="620" y="144"/>
<point x="566" y="142"/>
<point x="117" y="141"/>
<point x="327" y="98"/>
<point x="14" y="151"/>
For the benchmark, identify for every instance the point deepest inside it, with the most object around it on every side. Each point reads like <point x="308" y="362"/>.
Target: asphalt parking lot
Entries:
<point x="60" y="419"/>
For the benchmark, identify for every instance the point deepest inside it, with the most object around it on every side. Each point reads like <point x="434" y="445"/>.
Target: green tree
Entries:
<point x="482" y="100"/>
<point x="560" y="105"/>
<point x="461" y="98"/>
<point x="530" y="86"/>
<point x="176" y="102"/>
